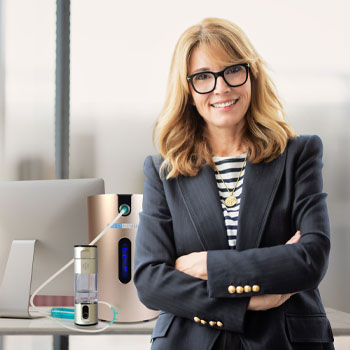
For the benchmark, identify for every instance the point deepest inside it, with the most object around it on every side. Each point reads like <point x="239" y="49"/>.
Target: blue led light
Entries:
<point x="124" y="247"/>
<point x="125" y="253"/>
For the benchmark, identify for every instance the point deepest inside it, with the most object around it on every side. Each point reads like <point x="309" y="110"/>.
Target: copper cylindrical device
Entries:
<point x="116" y="256"/>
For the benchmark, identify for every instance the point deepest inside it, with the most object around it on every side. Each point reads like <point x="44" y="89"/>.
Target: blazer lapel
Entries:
<point x="201" y="197"/>
<point x="259" y="188"/>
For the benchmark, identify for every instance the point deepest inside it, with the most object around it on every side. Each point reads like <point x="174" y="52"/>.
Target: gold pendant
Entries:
<point x="230" y="201"/>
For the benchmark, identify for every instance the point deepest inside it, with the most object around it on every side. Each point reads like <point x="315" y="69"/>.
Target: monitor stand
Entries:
<point x="16" y="283"/>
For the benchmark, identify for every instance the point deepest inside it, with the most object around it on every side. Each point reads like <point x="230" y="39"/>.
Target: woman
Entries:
<point x="234" y="235"/>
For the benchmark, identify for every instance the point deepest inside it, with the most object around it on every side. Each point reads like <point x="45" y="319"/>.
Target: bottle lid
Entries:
<point x="85" y="252"/>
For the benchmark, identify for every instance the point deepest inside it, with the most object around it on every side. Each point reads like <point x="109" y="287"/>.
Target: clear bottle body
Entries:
<point x="85" y="288"/>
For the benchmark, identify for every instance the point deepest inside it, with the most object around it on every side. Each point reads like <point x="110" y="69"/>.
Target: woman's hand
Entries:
<point x="194" y="264"/>
<point x="295" y="238"/>
<point x="269" y="301"/>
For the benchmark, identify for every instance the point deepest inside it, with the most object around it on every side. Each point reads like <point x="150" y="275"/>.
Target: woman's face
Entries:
<point x="226" y="106"/>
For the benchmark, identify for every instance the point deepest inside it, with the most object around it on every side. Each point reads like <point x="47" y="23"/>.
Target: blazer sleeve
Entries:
<point x="283" y="268"/>
<point x="160" y="286"/>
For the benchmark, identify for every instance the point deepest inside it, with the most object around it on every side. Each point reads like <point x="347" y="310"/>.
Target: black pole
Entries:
<point x="62" y="89"/>
<point x="60" y="342"/>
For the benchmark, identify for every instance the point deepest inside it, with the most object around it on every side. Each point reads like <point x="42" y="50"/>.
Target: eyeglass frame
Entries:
<point x="219" y="74"/>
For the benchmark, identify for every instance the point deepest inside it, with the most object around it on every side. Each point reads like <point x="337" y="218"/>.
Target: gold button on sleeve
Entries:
<point x="247" y="289"/>
<point x="203" y="322"/>
<point x="239" y="289"/>
<point x="256" y="288"/>
<point x="219" y="324"/>
<point x="231" y="289"/>
<point x="196" y="319"/>
<point x="212" y="323"/>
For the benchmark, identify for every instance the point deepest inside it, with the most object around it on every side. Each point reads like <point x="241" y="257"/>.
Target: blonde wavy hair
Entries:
<point x="179" y="129"/>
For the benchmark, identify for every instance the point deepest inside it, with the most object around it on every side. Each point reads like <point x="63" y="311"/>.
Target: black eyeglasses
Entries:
<point x="205" y="82"/>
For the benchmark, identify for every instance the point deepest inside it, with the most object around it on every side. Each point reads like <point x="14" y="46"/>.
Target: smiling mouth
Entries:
<point x="225" y="104"/>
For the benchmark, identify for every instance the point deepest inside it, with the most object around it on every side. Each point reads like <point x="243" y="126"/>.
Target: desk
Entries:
<point x="340" y="322"/>
<point x="45" y="326"/>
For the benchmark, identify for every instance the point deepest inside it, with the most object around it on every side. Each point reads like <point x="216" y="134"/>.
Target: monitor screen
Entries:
<point x="54" y="213"/>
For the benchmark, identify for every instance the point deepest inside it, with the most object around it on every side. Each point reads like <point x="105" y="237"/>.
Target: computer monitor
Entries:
<point x="55" y="214"/>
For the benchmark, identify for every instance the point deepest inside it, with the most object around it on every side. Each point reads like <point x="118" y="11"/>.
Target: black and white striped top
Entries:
<point x="229" y="168"/>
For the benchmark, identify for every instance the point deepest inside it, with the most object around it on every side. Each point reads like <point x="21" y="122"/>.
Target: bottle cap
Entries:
<point x="85" y="252"/>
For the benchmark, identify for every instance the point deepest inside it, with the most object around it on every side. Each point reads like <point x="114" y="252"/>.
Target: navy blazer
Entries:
<point x="183" y="215"/>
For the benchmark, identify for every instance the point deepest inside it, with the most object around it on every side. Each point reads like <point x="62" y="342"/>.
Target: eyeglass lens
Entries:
<point x="205" y="82"/>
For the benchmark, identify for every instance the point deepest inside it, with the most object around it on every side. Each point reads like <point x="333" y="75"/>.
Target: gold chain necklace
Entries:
<point x="231" y="200"/>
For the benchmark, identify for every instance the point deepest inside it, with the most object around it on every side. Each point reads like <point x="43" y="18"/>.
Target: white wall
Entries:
<point x="120" y="56"/>
<point x="29" y="89"/>
<point x="2" y="82"/>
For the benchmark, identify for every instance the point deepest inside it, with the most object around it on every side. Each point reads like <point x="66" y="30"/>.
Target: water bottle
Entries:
<point x="85" y="286"/>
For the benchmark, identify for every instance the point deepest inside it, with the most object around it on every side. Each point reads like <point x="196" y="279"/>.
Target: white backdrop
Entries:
<point x="120" y="56"/>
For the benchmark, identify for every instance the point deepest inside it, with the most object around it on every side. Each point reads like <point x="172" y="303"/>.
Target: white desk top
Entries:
<point x="46" y="326"/>
<point x="340" y="322"/>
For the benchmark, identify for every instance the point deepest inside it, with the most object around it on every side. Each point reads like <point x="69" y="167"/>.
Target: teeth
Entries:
<point x="226" y="104"/>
